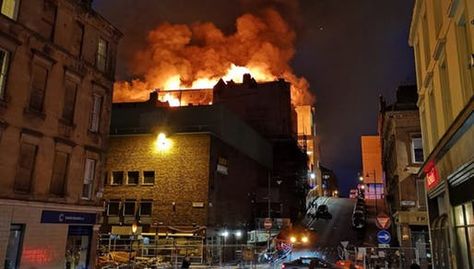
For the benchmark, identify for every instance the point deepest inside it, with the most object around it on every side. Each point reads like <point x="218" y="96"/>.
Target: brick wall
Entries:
<point x="181" y="175"/>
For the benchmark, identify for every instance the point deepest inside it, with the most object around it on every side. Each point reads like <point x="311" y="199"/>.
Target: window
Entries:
<point x="113" y="208"/>
<point x="70" y="90"/>
<point x="438" y="15"/>
<point x="26" y="165"/>
<point x="129" y="208"/>
<point x="61" y="160"/>
<point x="102" y="51"/>
<point x="133" y="177"/>
<point x="417" y="149"/>
<point x="95" y="113"/>
<point x="77" y="39"/>
<point x="465" y="53"/>
<point x="433" y="117"/>
<point x="4" y="63"/>
<point x="148" y="177"/>
<point x="117" y="178"/>
<point x="145" y="208"/>
<point x="445" y="92"/>
<point x="426" y="41"/>
<point x="15" y="241"/>
<point x="49" y="19"/>
<point x="10" y="8"/>
<point x="89" y="174"/>
<point x="464" y="222"/>
<point x="38" y="87"/>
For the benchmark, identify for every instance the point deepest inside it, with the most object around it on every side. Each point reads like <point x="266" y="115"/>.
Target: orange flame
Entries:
<point x="197" y="56"/>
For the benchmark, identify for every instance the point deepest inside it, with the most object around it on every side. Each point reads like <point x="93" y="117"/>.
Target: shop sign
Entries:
<point x="48" y="216"/>
<point x="432" y="176"/>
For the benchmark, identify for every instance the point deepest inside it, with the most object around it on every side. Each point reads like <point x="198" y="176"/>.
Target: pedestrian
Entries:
<point x="415" y="265"/>
<point x="186" y="263"/>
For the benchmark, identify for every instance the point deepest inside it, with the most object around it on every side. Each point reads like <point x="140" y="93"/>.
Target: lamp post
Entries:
<point x="134" y="231"/>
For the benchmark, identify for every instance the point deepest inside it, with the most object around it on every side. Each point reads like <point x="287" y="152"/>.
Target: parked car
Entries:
<point x="323" y="212"/>
<point x="306" y="262"/>
<point x="343" y="264"/>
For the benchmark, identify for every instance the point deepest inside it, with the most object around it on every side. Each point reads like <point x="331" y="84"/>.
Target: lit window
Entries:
<point x="4" y="62"/>
<point x="149" y="177"/>
<point x="417" y="149"/>
<point x="102" y="50"/>
<point x="133" y="177"/>
<point x="10" y="8"/>
<point x="117" y="178"/>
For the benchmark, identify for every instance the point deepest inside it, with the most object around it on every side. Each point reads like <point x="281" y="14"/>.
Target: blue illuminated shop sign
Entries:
<point x="67" y="217"/>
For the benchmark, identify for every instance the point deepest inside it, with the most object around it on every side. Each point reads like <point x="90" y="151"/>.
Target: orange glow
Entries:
<point x="196" y="56"/>
<point x="39" y="256"/>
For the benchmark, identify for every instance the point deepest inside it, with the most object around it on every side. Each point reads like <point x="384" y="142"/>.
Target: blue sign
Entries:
<point x="383" y="237"/>
<point x="48" y="216"/>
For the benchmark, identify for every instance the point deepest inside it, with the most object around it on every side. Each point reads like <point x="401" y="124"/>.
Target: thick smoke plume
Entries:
<point x="201" y="52"/>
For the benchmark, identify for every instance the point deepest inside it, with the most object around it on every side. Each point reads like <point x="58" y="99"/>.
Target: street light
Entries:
<point x="134" y="232"/>
<point x="162" y="142"/>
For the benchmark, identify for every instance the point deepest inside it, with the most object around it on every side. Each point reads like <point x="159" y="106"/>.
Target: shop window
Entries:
<point x="38" y="88"/>
<point x="10" y="8"/>
<point x="117" y="178"/>
<point x="89" y="175"/>
<point x="26" y="165"/>
<point x="129" y="208"/>
<point x="463" y="216"/>
<point x="58" y="181"/>
<point x="78" y="247"/>
<point x="15" y="241"/>
<point x="95" y="113"/>
<point x="69" y="104"/>
<point x="4" y="63"/>
<point x="133" y="177"/>
<point x="417" y="149"/>
<point x="145" y="208"/>
<point x="113" y="208"/>
<point x="148" y="177"/>
<point x="102" y="51"/>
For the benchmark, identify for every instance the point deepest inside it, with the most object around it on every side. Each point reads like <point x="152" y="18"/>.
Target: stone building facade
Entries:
<point x="57" y="63"/>
<point x="442" y="35"/>
<point x="402" y="153"/>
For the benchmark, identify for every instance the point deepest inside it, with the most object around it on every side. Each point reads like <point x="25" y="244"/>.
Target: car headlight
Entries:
<point x="293" y="239"/>
<point x="304" y="239"/>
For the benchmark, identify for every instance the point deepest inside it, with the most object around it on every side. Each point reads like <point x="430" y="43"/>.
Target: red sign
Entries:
<point x="267" y="223"/>
<point x="383" y="221"/>
<point x="432" y="176"/>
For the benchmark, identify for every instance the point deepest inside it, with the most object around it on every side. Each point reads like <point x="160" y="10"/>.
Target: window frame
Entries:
<point x="137" y="182"/>
<point x="134" y="202"/>
<point x="144" y="177"/>
<point x="95" y="113"/>
<point x="140" y="208"/>
<point x="118" y="202"/>
<point x="90" y="182"/>
<point x="112" y="177"/>
<point x="15" y="12"/>
<point x="64" y="116"/>
<point x="102" y="66"/>
<point x="33" y="89"/>
<point x="31" y="171"/>
<point x="4" y="71"/>
<point x="414" y="137"/>
<point x="64" y="176"/>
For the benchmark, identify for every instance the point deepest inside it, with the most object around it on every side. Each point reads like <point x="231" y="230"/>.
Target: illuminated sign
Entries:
<point x="48" y="216"/>
<point x="432" y="176"/>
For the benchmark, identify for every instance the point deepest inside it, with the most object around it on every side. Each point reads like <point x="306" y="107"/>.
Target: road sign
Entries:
<point x="267" y="224"/>
<point x="383" y="237"/>
<point x="344" y="244"/>
<point x="383" y="221"/>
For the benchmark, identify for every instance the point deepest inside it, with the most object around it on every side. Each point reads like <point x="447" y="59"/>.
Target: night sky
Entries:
<point x="349" y="50"/>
